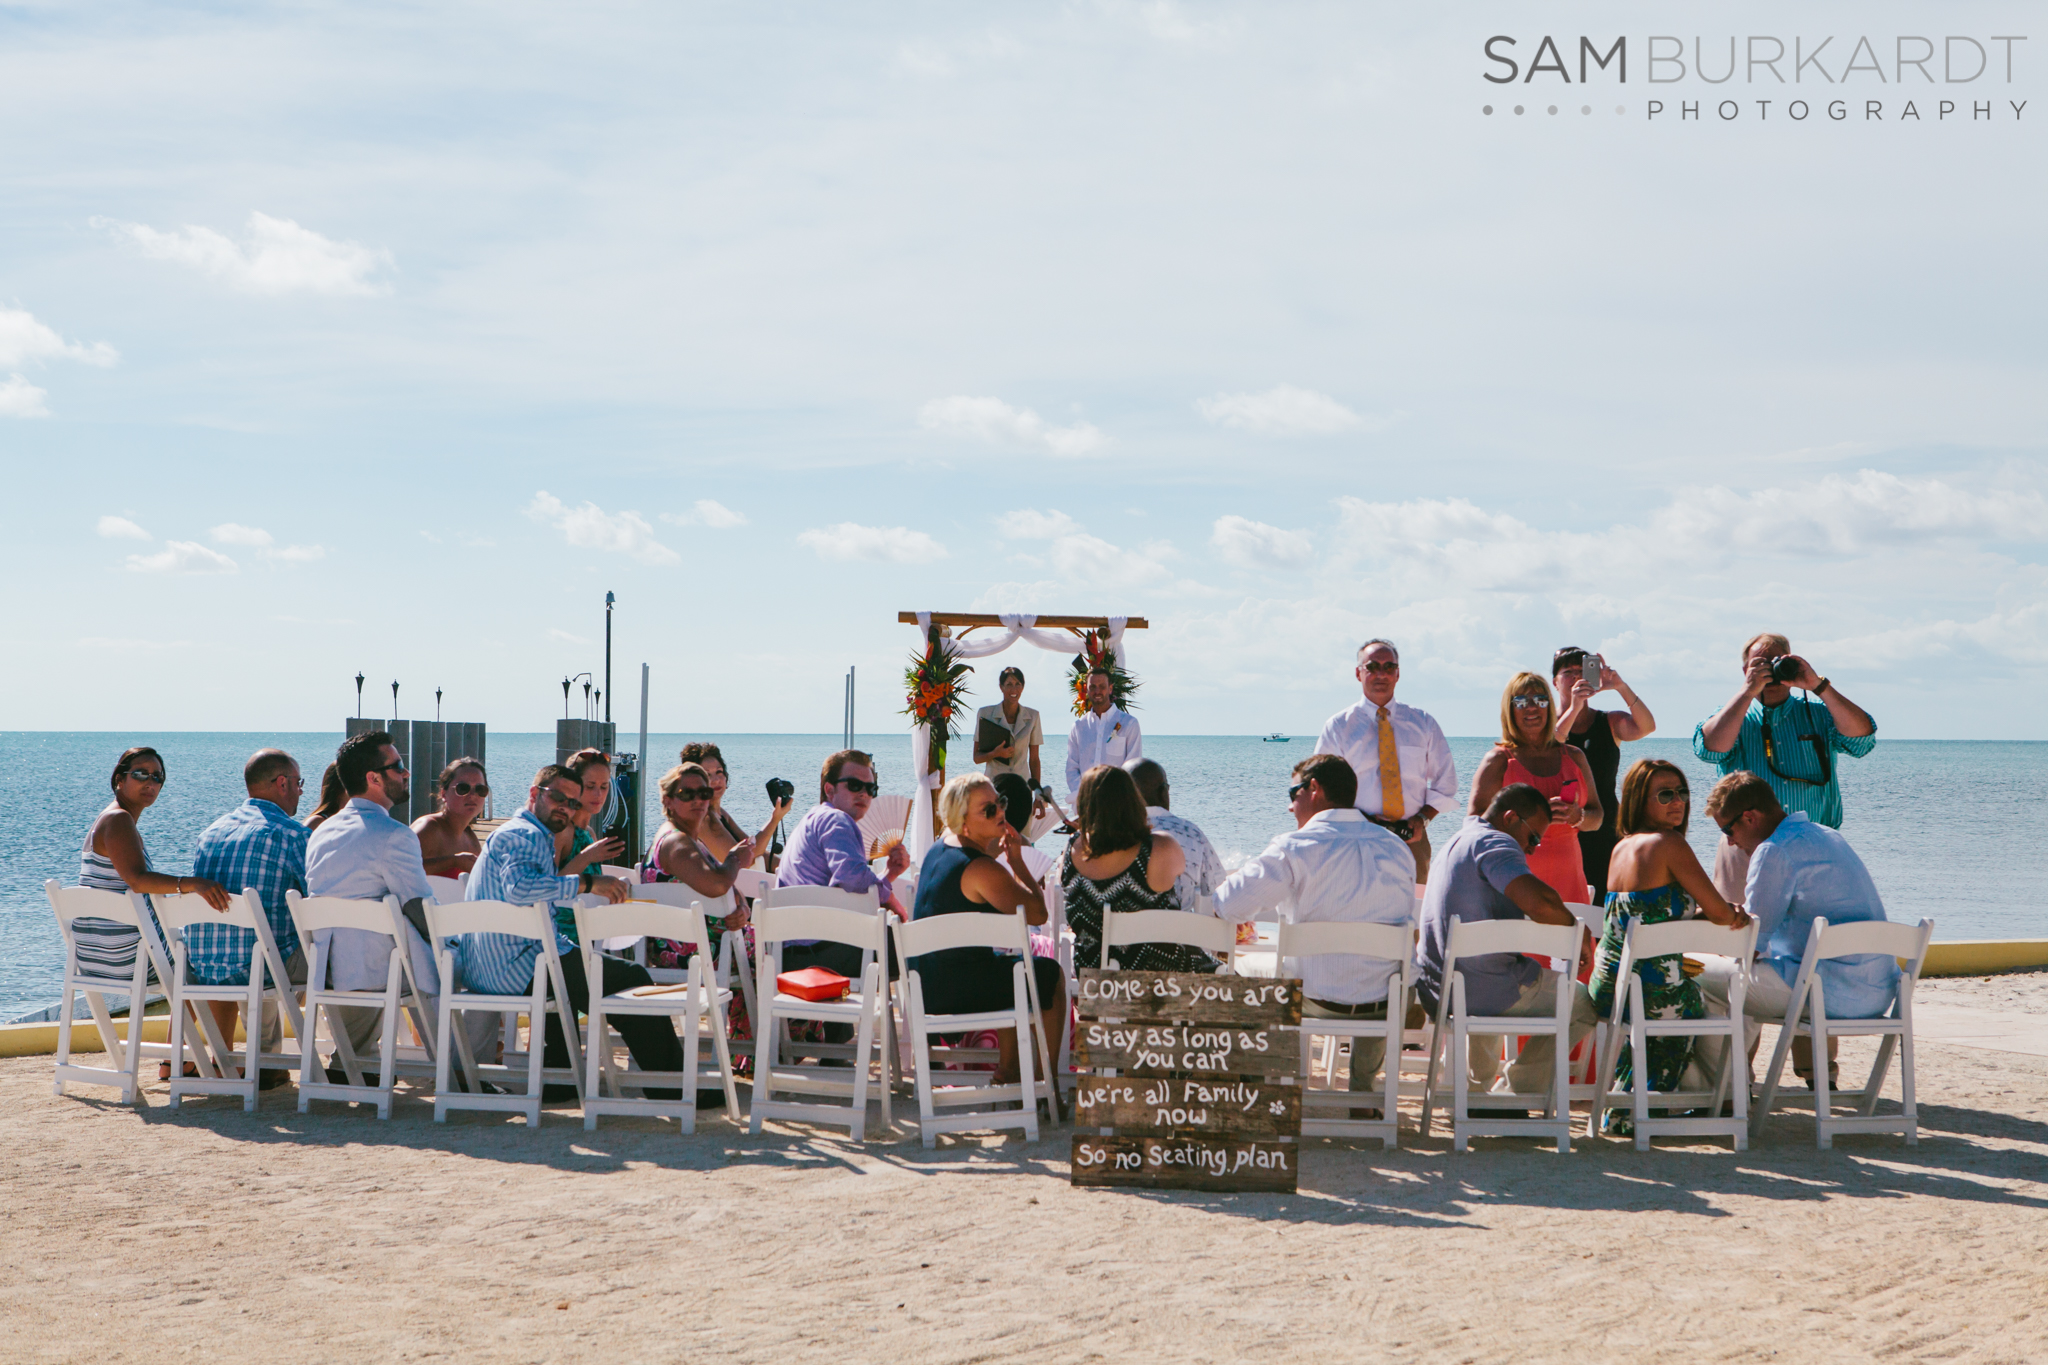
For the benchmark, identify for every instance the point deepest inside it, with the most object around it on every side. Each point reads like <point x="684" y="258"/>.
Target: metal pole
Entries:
<point x="644" y="769"/>
<point x="394" y="699"/>
<point x="851" y="678"/>
<point x="437" y="706"/>
<point x="359" y="696"/>
<point x="608" y="600"/>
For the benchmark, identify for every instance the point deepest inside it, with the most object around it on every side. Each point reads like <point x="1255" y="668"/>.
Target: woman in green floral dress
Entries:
<point x="1654" y="876"/>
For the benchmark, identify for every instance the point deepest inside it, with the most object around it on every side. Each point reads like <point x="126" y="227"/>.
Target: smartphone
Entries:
<point x="1591" y="672"/>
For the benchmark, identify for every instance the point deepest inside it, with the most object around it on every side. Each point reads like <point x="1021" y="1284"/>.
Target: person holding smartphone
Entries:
<point x="1579" y="675"/>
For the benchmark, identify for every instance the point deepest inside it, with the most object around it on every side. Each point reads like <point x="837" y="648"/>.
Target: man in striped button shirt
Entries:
<point x="518" y="866"/>
<point x="257" y="844"/>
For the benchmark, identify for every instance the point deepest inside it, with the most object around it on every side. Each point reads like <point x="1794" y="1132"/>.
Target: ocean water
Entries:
<point x="1954" y="831"/>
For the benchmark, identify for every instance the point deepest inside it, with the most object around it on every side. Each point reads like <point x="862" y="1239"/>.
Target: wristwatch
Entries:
<point x="1820" y="688"/>
<point x="588" y="878"/>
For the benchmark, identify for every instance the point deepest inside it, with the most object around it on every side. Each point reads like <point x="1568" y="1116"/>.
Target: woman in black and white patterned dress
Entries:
<point x="1116" y="862"/>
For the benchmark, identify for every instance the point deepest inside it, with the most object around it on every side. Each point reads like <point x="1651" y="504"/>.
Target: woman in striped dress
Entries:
<point x="113" y="859"/>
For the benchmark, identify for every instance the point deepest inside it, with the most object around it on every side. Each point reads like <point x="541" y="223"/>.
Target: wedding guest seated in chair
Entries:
<point x="1117" y="863"/>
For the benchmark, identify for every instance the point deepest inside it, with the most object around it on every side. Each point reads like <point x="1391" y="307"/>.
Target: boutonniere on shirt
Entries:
<point x="1116" y="727"/>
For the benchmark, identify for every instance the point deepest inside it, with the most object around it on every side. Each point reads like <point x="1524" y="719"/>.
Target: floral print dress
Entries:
<point x="1668" y="993"/>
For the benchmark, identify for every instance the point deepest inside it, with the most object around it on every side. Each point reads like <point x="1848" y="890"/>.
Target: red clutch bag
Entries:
<point x="813" y="983"/>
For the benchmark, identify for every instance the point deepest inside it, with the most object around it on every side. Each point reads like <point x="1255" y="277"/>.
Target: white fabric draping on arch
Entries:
<point x="917" y="836"/>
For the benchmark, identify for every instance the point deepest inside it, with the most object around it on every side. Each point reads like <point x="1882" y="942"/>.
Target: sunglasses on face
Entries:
<point x="1382" y="667"/>
<point x="562" y="798"/>
<point x="465" y="788"/>
<point x="988" y="810"/>
<point x="143" y="775"/>
<point x="1670" y="794"/>
<point x="1532" y="703"/>
<point x="855" y="784"/>
<point x="1728" y="830"/>
<point x="693" y="793"/>
<point x="398" y="767"/>
<point x="1296" y="790"/>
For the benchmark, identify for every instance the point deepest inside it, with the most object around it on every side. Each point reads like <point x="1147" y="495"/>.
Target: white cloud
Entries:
<point x="19" y="398"/>
<point x="939" y="61"/>
<point x="1284" y="411"/>
<point x="297" y="554"/>
<point x="705" y="512"/>
<point x="228" y="533"/>
<point x="556" y="633"/>
<point x="120" y="528"/>
<point x="121" y="642"/>
<point x="278" y="256"/>
<point x="1255" y="545"/>
<point x="183" y="557"/>
<point x="1841" y="515"/>
<point x="1169" y="22"/>
<point x="880" y="544"/>
<point x="22" y="338"/>
<point x="994" y="421"/>
<point x="1026" y="524"/>
<point x="592" y="528"/>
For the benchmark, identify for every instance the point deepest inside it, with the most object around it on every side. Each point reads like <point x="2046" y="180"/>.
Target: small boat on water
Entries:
<point x="1277" y="738"/>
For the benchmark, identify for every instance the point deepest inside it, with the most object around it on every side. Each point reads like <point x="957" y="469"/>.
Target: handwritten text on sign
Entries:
<point x="1185" y="1163"/>
<point x="1146" y="997"/>
<point x="1196" y="1049"/>
<point x="1134" y="1104"/>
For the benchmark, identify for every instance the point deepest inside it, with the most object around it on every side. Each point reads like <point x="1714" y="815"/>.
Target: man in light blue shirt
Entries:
<point x="1799" y="871"/>
<point x="518" y="866"/>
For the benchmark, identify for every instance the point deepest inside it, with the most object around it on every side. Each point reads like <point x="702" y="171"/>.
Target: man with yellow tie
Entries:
<point x="1404" y="767"/>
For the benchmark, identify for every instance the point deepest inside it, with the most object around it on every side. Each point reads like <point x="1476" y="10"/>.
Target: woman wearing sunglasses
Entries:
<point x="978" y="868"/>
<point x="1654" y="876"/>
<point x="447" y="843"/>
<point x="680" y="854"/>
<point x="577" y="847"/>
<point x="114" y="859"/>
<point x="1529" y="752"/>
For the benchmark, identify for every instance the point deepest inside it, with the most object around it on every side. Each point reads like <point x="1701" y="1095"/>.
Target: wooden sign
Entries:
<point x="1186" y="1164"/>
<point x="1186" y="1065"/>
<point x="1151" y="997"/>
<point x="1189" y="1049"/>
<point x="1136" y="1105"/>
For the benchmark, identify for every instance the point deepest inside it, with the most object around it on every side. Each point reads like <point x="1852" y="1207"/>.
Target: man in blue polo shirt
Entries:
<point x="1791" y="744"/>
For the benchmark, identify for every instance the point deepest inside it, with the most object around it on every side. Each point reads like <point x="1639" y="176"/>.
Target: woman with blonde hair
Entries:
<point x="979" y="868"/>
<point x="1529" y="752"/>
<point x="1654" y="876"/>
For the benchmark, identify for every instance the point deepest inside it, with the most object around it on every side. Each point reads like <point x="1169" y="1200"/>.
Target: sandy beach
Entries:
<point x="219" y="1235"/>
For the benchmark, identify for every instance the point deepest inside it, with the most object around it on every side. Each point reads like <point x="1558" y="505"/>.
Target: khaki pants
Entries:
<point x="1366" y="1053"/>
<point x="1535" y="1068"/>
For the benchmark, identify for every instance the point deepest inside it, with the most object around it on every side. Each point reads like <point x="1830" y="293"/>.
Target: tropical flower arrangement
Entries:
<point x="935" y="682"/>
<point x="1096" y="653"/>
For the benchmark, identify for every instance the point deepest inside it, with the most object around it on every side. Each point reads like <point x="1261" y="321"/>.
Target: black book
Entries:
<point x="990" y="733"/>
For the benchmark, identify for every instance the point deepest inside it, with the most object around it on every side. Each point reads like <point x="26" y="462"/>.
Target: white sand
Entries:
<point x="215" y="1235"/>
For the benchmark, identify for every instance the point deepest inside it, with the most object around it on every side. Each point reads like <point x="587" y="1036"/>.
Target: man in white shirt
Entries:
<point x="1105" y="734"/>
<point x="1335" y="865"/>
<point x="1403" y="763"/>
<point x="1204" y="871"/>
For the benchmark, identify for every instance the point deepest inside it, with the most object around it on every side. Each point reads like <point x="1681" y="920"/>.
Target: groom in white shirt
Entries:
<point x="1404" y="767"/>
<point x="1104" y="734"/>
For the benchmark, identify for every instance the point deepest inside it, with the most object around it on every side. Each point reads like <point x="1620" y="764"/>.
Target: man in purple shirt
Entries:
<point x="828" y="850"/>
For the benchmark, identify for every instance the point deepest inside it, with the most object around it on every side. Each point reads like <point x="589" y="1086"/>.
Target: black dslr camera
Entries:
<point x="780" y="789"/>
<point x="1784" y="668"/>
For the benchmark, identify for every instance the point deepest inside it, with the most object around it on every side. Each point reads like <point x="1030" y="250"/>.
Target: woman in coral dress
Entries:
<point x="1530" y="752"/>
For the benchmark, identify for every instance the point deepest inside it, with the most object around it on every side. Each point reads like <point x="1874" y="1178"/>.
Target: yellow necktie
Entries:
<point x="1391" y="806"/>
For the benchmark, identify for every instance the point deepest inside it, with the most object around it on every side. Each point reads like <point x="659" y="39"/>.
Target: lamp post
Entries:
<point x="359" y="696"/>
<point x="394" y="699"/>
<point x="565" y="698"/>
<point x="586" y="697"/>
<point x="437" y="706"/>
<point x="608" y="600"/>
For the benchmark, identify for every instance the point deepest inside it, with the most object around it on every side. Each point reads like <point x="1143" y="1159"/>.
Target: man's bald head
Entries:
<point x="1151" y="780"/>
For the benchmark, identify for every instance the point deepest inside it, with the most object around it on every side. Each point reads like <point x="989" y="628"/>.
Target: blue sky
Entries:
<point x="389" y="338"/>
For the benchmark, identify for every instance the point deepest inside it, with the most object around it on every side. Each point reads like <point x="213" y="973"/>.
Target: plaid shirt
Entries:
<point x="517" y="867"/>
<point x="255" y="844"/>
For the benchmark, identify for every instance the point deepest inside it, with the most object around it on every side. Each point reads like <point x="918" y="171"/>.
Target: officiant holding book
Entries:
<point x="1007" y="734"/>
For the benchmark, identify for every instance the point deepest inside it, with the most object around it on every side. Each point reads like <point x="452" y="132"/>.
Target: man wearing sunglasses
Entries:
<point x="362" y="853"/>
<point x="1404" y="767"/>
<point x="1483" y="873"/>
<point x="519" y="867"/>
<point x="828" y="850"/>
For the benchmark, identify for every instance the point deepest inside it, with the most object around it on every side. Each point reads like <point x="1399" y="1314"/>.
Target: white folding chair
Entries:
<point x="1906" y="942"/>
<point x="1661" y="940"/>
<point x="1008" y="933"/>
<point x="1455" y="1025"/>
<point x="536" y="922"/>
<point x="81" y="902"/>
<point x="695" y="1002"/>
<point x="624" y="874"/>
<point x="266" y="979"/>
<point x="1389" y="945"/>
<point x="1593" y="918"/>
<point x="1165" y="926"/>
<point x="314" y="917"/>
<point x="448" y="890"/>
<point x="825" y="914"/>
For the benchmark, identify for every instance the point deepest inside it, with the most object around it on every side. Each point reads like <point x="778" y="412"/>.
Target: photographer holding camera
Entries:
<point x="1789" y="743"/>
